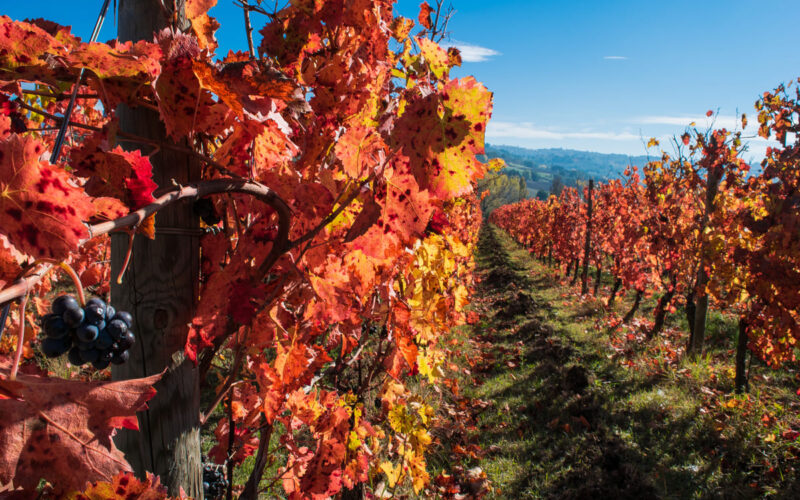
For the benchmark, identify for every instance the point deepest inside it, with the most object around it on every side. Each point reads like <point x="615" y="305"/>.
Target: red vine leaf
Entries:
<point x="247" y="86"/>
<point x="41" y="212"/>
<point x="177" y="88"/>
<point x="406" y="207"/>
<point x="10" y="261"/>
<point x="125" y="486"/>
<point x="138" y="62"/>
<point x="25" y="45"/>
<point x="437" y="58"/>
<point x="196" y="8"/>
<point x="442" y="135"/>
<point x="125" y="175"/>
<point x="356" y="148"/>
<point x="425" y="15"/>
<point x="203" y="25"/>
<point x="61" y="430"/>
<point x="204" y="28"/>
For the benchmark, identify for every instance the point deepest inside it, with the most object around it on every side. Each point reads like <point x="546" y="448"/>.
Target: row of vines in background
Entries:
<point x="697" y="228"/>
<point x="337" y="178"/>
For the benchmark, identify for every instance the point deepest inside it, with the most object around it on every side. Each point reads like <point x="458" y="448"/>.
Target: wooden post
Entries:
<point x="597" y="279"/>
<point x="690" y="311"/>
<point x="740" y="381"/>
<point x="661" y="311"/>
<point x="159" y="288"/>
<point x="713" y="179"/>
<point x="636" y="301"/>
<point x="587" y="245"/>
<point x="614" y="290"/>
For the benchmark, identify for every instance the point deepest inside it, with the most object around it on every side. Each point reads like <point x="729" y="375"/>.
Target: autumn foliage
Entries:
<point x="355" y="127"/>
<point x="700" y="211"/>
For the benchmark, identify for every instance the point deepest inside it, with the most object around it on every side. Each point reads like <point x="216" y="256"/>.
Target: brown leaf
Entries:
<point x="60" y="430"/>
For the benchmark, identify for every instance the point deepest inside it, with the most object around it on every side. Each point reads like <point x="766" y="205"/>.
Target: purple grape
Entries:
<point x="54" y="347"/>
<point x="75" y="357"/>
<point x="62" y="303"/>
<point x="125" y="316"/>
<point x="101" y="364"/>
<point x="73" y="317"/>
<point x="104" y="340"/>
<point x="120" y="357"/>
<point x="117" y="329"/>
<point x="126" y="341"/>
<point x="110" y="312"/>
<point x="94" y="301"/>
<point x="54" y="326"/>
<point x="95" y="314"/>
<point x="87" y="333"/>
<point x="90" y="355"/>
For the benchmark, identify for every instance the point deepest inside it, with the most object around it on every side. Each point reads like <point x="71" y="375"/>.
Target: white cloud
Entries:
<point x="756" y="145"/>
<point x="525" y="130"/>
<point x="473" y="53"/>
<point x="615" y="58"/>
<point x="701" y="122"/>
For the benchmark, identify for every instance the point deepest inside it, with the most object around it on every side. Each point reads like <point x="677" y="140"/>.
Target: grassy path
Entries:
<point x="566" y="419"/>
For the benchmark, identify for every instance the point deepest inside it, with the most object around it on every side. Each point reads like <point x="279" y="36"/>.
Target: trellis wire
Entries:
<point x="3" y="318"/>
<point x="62" y="132"/>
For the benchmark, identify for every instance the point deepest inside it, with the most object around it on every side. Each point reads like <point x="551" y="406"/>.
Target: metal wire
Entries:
<point x="62" y="132"/>
<point x="3" y="318"/>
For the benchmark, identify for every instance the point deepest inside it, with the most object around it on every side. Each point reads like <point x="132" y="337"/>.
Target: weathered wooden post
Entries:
<point x="587" y="245"/>
<point x="160" y="288"/>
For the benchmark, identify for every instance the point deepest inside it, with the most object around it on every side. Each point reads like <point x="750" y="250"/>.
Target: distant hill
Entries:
<point x="540" y="166"/>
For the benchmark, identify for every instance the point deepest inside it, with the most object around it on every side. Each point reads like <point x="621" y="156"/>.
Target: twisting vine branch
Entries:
<point x="20" y="337"/>
<point x="175" y="194"/>
<point x="248" y="27"/>
<point x="441" y="19"/>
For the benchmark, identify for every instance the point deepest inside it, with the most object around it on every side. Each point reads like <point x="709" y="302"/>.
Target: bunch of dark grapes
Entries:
<point x="95" y="333"/>
<point x="214" y="483"/>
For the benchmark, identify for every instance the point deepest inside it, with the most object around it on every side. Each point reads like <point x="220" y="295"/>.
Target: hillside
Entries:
<point x="540" y="166"/>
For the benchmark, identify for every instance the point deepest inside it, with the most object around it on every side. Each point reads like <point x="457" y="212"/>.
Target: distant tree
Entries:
<point x="557" y="185"/>
<point x="542" y="194"/>
<point x="504" y="189"/>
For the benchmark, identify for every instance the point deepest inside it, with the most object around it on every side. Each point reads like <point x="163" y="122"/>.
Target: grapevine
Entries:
<point x="96" y="333"/>
<point x="694" y="226"/>
<point x="336" y="175"/>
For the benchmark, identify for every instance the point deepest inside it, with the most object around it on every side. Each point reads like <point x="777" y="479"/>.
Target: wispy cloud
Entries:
<point x="756" y="146"/>
<point x="525" y="130"/>
<point x="720" y="121"/>
<point x="732" y="123"/>
<point x="615" y="58"/>
<point x="473" y="53"/>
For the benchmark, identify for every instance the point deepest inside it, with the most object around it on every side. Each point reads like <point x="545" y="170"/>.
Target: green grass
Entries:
<point x="572" y="418"/>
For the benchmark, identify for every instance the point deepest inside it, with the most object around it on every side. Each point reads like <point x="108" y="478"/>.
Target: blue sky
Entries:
<point x="591" y="75"/>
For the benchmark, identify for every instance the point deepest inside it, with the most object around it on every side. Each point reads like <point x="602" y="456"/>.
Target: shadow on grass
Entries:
<point x="569" y="422"/>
